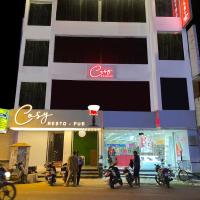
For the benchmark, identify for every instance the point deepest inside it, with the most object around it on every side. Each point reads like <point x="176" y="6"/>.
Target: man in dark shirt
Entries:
<point x="136" y="164"/>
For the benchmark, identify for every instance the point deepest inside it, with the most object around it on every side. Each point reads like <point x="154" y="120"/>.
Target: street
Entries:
<point x="97" y="189"/>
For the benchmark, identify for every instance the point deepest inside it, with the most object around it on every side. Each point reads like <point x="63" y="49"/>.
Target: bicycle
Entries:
<point x="185" y="175"/>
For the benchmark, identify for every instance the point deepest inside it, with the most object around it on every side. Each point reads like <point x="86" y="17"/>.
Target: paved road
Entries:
<point x="98" y="190"/>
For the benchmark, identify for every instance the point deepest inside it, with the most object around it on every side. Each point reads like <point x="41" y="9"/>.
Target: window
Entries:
<point x="123" y="11"/>
<point x="111" y="95"/>
<point x="36" y="53"/>
<point x="167" y="8"/>
<point x="174" y="94"/>
<point x="77" y="10"/>
<point x="170" y="46"/>
<point x="40" y="14"/>
<point x="107" y="10"/>
<point x="33" y="93"/>
<point x="101" y="50"/>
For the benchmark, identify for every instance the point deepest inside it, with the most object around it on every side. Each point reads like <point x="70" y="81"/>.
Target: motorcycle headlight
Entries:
<point x="7" y="174"/>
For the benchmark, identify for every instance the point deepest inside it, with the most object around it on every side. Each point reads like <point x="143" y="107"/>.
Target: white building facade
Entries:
<point x="56" y="49"/>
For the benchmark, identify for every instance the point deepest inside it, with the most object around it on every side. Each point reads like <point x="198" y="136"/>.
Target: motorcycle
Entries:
<point x="50" y="174"/>
<point x="128" y="172"/>
<point x="163" y="176"/>
<point x="64" y="172"/>
<point x="7" y="189"/>
<point x="114" y="176"/>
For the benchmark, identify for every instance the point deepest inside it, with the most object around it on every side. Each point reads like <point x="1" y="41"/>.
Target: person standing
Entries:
<point x="136" y="164"/>
<point x="72" y="169"/>
<point x="80" y="164"/>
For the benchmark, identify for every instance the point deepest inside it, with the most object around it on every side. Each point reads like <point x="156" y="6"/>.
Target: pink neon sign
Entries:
<point x="98" y="71"/>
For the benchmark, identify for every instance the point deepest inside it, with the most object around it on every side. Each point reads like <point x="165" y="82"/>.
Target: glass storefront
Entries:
<point x="153" y="146"/>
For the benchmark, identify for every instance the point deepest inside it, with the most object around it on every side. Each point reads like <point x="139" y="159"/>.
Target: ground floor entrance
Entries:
<point x="87" y="146"/>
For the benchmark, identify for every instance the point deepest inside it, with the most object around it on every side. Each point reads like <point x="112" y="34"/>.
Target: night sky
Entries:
<point x="10" y="46"/>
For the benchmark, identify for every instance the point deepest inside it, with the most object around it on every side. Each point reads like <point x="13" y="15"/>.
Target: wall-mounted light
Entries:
<point x="93" y="111"/>
<point x="82" y="133"/>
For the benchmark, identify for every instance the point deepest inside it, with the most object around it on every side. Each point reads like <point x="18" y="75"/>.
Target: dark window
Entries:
<point x="110" y="95"/>
<point x="39" y="14"/>
<point x="33" y="93"/>
<point x="167" y="8"/>
<point x="77" y="10"/>
<point x="174" y="94"/>
<point x="55" y="147"/>
<point x="170" y="46"/>
<point x="36" y="53"/>
<point x="123" y="10"/>
<point x="100" y="50"/>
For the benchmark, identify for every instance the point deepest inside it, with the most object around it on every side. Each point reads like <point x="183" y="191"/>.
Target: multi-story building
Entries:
<point x="128" y="56"/>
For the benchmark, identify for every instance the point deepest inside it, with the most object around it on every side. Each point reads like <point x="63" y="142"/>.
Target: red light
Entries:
<point x="185" y="12"/>
<point x="97" y="71"/>
<point x="93" y="112"/>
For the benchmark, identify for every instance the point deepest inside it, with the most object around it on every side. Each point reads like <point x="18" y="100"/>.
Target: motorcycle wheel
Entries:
<point x="158" y="181"/>
<point x="183" y="175"/>
<point x="120" y="182"/>
<point x="111" y="185"/>
<point x="7" y="191"/>
<point x="167" y="182"/>
<point x="129" y="182"/>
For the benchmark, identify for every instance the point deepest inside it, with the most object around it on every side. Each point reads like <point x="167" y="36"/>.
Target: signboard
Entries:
<point x="175" y="8"/>
<point x="4" y="115"/>
<point x="27" y="117"/>
<point x="100" y="72"/>
<point x="185" y="12"/>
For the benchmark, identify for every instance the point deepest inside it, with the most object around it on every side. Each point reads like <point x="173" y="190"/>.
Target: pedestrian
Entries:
<point x="136" y="164"/>
<point x="72" y="169"/>
<point x="80" y="164"/>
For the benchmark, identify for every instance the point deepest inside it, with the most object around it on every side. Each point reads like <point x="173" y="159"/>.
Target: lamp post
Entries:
<point x="93" y="111"/>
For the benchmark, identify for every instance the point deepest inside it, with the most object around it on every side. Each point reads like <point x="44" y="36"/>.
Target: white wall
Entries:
<point x="67" y="149"/>
<point x="38" y="142"/>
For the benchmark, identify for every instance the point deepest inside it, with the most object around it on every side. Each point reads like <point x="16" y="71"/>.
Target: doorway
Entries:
<point x="87" y="147"/>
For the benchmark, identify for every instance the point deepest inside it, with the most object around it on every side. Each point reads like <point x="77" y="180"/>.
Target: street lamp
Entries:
<point x="93" y="111"/>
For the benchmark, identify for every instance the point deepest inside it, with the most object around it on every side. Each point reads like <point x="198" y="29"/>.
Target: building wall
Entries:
<point x="5" y="141"/>
<point x="38" y="141"/>
<point x="78" y="71"/>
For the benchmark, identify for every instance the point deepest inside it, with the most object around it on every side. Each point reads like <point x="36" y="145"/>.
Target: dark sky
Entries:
<point x="10" y="45"/>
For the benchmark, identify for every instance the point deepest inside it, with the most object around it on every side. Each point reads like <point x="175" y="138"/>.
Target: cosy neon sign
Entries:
<point x="39" y="116"/>
<point x="98" y="71"/>
<point x="185" y="12"/>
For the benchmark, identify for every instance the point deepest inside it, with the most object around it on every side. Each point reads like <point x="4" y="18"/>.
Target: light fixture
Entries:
<point x="93" y="111"/>
<point x="82" y="133"/>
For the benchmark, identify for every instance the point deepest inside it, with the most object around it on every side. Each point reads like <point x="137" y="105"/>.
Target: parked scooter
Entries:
<point x="7" y="189"/>
<point x="64" y="172"/>
<point x="163" y="176"/>
<point x="129" y="174"/>
<point x="50" y="174"/>
<point x="114" y="176"/>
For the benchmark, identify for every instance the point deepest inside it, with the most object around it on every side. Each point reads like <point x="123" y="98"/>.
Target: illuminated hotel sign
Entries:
<point x="100" y="72"/>
<point x="27" y="117"/>
<point x="185" y="12"/>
